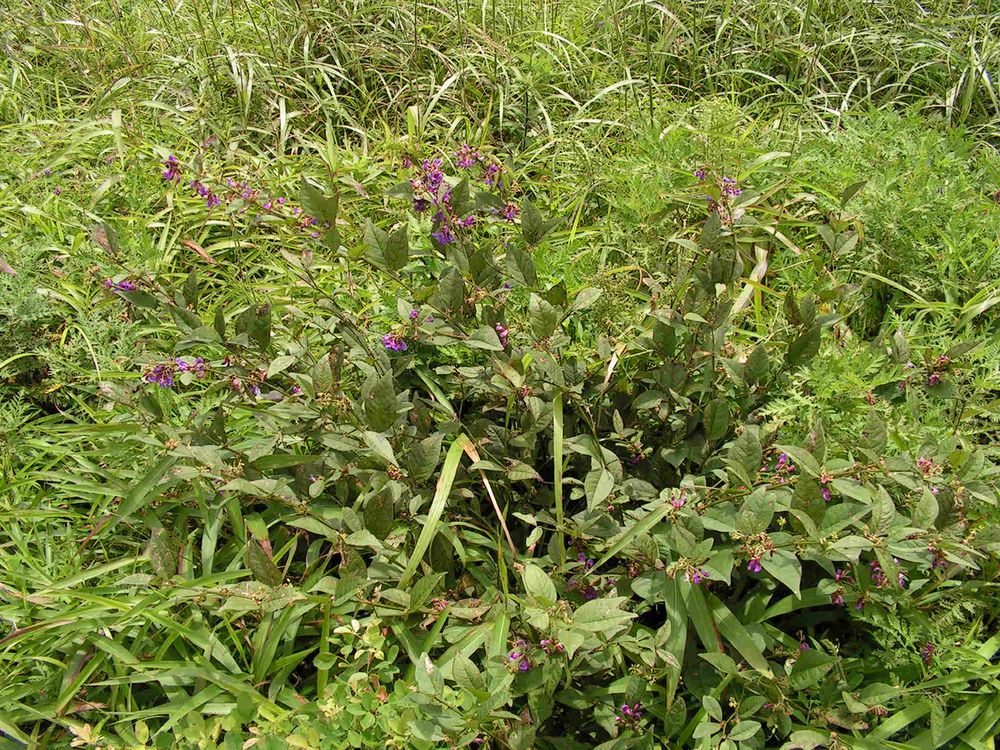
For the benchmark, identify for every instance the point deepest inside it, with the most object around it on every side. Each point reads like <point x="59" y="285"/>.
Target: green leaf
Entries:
<point x="850" y="191"/>
<point x="440" y="499"/>
<point x="926" y="511"/>
<point x="484" y="337"/>
<point x="804" y="347"/>
<point x="602" y="615"/>
<point x="786" y="567"/>
<point x="711" y="232"/>
<point x="758" y="367"/>
<point x="521" y="266"/>
<point x="755" y="514"/>
<point x="397" y="249"/>
<point x="142" y="492"/>
<point x="466" y="674"/>
<point x="733" y="631"/>
<point x="744" y="455"/>
<point x="543" y="317"/>
<point x="585" y="298"/>
<point x="534" y="228"/>
<point x="716" y="418"/>
<point x="744" y="730"/>
<point x="803" y="460"/>
<point x="255" y="322"/>
<point x="598" y="486"/>
<point x="539" y="586"/>
<point x="261" y="565"/>
<point x="380" y="514"/>
<point x="380" y="445"/>
<point x="450" y="293"/>
<point x="380" y="404"/>
<point x="317" y="205"/>
<point x="874" y="436"/>
<point x="423" y="457"/>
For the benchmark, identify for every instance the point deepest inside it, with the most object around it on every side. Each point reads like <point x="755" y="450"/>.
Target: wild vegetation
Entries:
<point x="499" y="375"/>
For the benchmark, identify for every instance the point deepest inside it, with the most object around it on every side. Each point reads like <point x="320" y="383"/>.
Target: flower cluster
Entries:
<point x="172" y="171"/>
<point x="629" y="715"/>
<point x="695" y="576"/>
<point x="162" y="374"/>
<point x="783" y="468"/>
<point x="502" y="333"/>
<point x="824" y="481"/>
<point x="394" y="342"/>
<point x="927" y="653"/>
<point x="518" y="657"/>
<point x="197" y="367"/>
<point x="126" y="285"/>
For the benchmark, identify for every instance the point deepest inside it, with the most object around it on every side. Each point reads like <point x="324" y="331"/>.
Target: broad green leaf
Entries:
<point x="380" y="403"/>
<point x="786" y="567"/>
<point x="602" y="615"/>
<point x="542" y="316"/>
<point x="539" y="586"/>
<point x="716" y="418"/>
<point x="261" y="565"/>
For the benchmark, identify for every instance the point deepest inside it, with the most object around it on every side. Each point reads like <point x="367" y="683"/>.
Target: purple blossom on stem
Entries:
<point x="933" y="379"/>
<point x="587" y="562"/>
<point x="729" y="187"/>
<point x="172" y="173"/>
<point x="837" y="598"/>
<point x="394" y="342"/>
<point x="197" y="367"/>
<point x="511" y="212"/>
<point x="296" y="390"/>
<point x="701" y="173"/>
<point x="754" y="565"/>
<point x="466" y="156"/>
<point x="927" y="653"/>
<point x="803" y="646"/>
<point x="825" y="492"/>
<point x="502" y="333"/>
<point x="161" y="374"/>
<point x="443" y="235"/>
<point x="630" y="715"/>
<point x="414" y="314"/>
<point x="491" y="174"/>
<point x="696" y="576"/>
<point x="120" y="286"/>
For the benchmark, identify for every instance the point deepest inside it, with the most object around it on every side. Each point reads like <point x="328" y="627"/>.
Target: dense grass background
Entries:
<point x="603" y="108"/>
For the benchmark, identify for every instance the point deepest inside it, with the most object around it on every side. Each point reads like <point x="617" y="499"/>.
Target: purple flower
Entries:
<point x="729" y="187"/>
<point x="57" y="191"/>
<point x="162" y="375"/>
<point x="282" y="201"/>
<point x="933" y="379"/>
<point x="754" y="565"/>
<point x="680" y="501"/>
<point x="701" y="173"/>
<point x="443" y="235"/>
<point x="629" y="714"/>
<point x="197" y="367"/>
<point x="255" y="389"/>
<point x="696" y="576"/>
<point x="467" y="222"/>
<point x="837" y="598"/>
<point x="587" y="562"/>
<point x="502" y="334"/>
<point x="466" y="156"/>
<point x="825" y="492"/>
<point x="172" y="173"/>
<point x="394" y="342"/>
<point x="803" y="646"/>
<point x="47" y="172"/>
<point x="927" y="653"/>
<point x="491" y="174"/>
<point x="419" y="205"/>
<point x="414" y="314"/>
<point x="520" y="659"/>
<point x="511" y="212"/>
<point x="407" y="162"/>
<point x="212" y="200"/>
